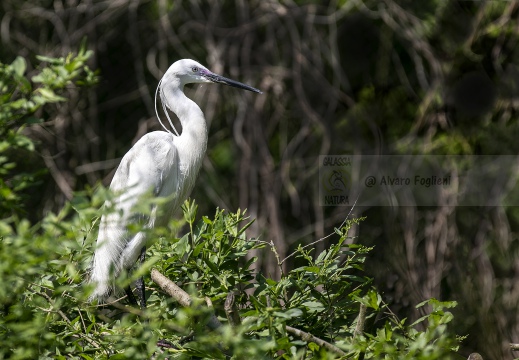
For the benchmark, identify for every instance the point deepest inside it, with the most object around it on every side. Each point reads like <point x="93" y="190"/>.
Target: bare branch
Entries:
<point x="309" y="337"/>
<point x="475" y="356"/>
<point x="231" y="310"/>
<point x="359" y="328"/>
<point x="179" y="295"/>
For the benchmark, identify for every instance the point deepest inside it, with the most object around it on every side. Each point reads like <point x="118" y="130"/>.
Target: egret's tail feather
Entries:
<point x="101" y="293"/>
<point x="102" y="277"/>
<point x="103" y="286"/>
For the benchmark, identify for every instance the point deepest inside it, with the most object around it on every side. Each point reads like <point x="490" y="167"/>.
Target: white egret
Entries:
<point x="162" y="163"/>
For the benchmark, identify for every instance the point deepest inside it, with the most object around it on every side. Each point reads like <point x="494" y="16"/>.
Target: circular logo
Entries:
<point x="335" y="180"/>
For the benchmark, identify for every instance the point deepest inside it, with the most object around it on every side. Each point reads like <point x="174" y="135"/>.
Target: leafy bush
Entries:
<point x="20" y="100"/>
<point x="311" y="312"/>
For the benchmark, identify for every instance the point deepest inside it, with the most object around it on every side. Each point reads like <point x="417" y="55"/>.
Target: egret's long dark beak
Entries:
<point x="223" y="80"/>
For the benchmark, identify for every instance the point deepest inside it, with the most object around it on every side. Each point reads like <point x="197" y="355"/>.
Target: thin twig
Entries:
<point x="58" y="175"/>
<point x="65" y="318"/>
<point x="111" y="301"/>
<point x="129" y="309"/>
<point x="309" y="337"/>
<point x="51" y="302"/>
<point x="274" y="250"/>
<point x="323" y="238"/>
<point x="82" y="320"/>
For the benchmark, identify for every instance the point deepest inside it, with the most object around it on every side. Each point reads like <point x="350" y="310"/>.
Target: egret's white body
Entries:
<point x="160" y="163"/>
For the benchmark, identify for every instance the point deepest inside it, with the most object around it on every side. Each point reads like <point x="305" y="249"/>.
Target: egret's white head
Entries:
<point x="189" y="71"/>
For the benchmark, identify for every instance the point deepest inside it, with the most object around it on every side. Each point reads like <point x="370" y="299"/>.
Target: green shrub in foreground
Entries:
<point x="43" y="313"/>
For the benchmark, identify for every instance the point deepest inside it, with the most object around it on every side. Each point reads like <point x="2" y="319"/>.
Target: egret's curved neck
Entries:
<point x="193" y="139"/>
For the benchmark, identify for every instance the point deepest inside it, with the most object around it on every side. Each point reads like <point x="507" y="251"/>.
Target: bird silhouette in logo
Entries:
<point x="336" y="181"/>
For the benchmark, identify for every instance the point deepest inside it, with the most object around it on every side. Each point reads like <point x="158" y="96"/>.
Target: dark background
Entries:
<point x="339" y="77"/>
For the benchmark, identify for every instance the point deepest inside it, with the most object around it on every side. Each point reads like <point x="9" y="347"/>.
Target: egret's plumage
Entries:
<point x="160" y="163"/>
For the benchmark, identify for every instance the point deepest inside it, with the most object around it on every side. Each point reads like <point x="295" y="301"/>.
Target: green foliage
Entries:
<point x="20" y="99"/>
<point x="395" y="340"/>
<point x="214" y="246"/>
<point x="44" y="313"/>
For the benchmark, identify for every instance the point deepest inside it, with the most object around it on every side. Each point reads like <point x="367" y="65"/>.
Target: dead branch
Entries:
<point x="475" y="356"/>
<point x="359" y="328"/>
<point x="179" y="295"/>
<point x="231" y="311"/>
<point x="309" y="337"/>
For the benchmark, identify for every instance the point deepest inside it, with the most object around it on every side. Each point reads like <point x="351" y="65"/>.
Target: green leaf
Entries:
<point x="181" y="247"/>
<point x="289" y="314"/>
<point x="19" y="104"/>
<point x="313" y="269"/>
<point x="313" y="347"/>
<point x="19" y="66"/>
<point x="211" y="266"/>
<point x="50" y="60"/>
<point x="198" y="248"/>
<point x="313" y="306"/>
<point x="49" y="95"/>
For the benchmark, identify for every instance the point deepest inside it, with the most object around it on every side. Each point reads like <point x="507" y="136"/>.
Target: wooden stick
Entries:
<point x="359" y="328"/>
<point x="231" y="311"/>
<point x="180" y="295"/>
<point x="309" y="337"/>
<point x="475" y="356"/>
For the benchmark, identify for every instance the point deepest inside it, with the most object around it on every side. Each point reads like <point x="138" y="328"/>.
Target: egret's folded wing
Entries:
<point x="143" y="172"/>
